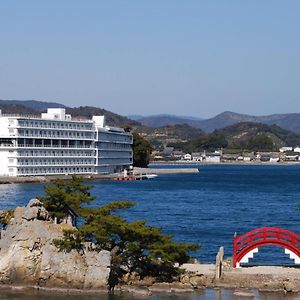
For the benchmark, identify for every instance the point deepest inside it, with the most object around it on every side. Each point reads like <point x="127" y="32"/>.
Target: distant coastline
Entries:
<point x="189" y="163"/>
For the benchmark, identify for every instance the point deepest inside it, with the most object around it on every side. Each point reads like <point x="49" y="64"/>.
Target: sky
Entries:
<point x="192" y="57"/>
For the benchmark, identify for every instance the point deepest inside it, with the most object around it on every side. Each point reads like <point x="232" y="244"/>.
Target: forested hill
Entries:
<point x="32" y="107"/>
<point x="239" y="135"/>
<point x="171" y="133"/>
<point x="17" y="109"/>
<point x="247" y="136"/>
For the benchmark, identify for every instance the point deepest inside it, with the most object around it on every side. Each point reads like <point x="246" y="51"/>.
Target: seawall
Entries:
<point x="165" y="170"/>
<point x="46" y="179"/>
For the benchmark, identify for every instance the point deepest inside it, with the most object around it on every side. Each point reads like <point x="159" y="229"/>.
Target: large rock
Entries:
<point x="28" y="256"/>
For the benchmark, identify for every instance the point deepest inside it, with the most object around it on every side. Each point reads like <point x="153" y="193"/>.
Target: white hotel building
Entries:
<point x="54" y="144"/>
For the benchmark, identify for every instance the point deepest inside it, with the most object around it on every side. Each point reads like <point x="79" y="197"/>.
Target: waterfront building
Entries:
<point x="178" y="154"/>
<point x="197" y="156"/>
<point x="291" y="156"/>
<point x="297" y="149"/>
<point x="54" y="143"/>
<point x="229" y="157"/>
<point x="285" y="149"/>
<point x="213" y="157"/>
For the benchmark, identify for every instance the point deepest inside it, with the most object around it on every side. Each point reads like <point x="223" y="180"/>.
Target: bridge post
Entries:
<point x="219" y="262"/>
<point x="234" y="250"/>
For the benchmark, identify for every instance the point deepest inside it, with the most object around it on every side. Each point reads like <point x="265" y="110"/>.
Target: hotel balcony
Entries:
<point x="52" y="136"/>
<point x="20" y="165"/>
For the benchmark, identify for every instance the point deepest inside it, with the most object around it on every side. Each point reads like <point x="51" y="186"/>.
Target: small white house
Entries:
<point x="248" y="156"/>
<point x="297" y="149"/>
<point x="187" y="156"/>
<point x="274" y="159"/>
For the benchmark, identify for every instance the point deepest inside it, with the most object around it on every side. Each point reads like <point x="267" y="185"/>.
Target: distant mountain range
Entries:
<point x="165" y="120"/>
<point x="287" y="121"/>
<point x="34" y="107"/>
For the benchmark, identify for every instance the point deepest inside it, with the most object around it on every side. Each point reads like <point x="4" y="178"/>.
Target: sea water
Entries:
<point x="205" y="208"/>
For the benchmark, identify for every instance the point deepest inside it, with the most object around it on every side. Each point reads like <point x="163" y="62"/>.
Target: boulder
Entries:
<point x="28" y="256"/>
<point x="199" y="281"/>
<point x="35" y="210"/>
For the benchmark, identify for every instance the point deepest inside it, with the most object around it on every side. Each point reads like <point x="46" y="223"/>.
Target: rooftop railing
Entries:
<point x="37" y="117"/>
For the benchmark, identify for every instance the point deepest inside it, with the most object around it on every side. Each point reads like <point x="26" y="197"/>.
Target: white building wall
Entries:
<point x="285" y="149"/>
<point x="114" y="151"/>
<point x="213" y="159"/>
<point x="297" y="149"/>
<point x="4" y="163"/>
<point x="4" y="126"/>
<point x="56" y="144"/>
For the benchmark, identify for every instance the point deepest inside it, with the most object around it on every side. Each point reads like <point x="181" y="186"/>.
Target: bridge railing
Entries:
<point x="264" y="236"/>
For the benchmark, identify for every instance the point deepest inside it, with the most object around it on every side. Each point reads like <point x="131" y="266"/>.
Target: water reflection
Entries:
<point x="207" y="294"/>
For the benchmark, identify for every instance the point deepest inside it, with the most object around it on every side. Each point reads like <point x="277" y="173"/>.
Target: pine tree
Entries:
<point x="64" y="194"/>
<point x="135" y="246"/>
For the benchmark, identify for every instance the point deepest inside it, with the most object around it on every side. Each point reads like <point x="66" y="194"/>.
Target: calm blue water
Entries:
<point x="204" y="208"/>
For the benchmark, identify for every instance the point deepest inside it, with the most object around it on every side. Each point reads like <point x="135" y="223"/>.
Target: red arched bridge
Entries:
<point x="246" y="245"/>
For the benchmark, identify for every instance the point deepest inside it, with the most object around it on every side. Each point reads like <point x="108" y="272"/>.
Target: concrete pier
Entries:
<point x="165" y="171"/>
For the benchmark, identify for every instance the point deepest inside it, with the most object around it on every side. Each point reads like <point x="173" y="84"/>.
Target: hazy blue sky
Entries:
<point x="146" y="57"/>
